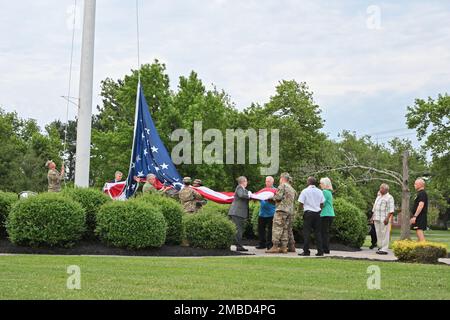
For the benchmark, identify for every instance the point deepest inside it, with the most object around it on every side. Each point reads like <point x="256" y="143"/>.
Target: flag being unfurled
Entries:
<point x="228" y="197"/>
<point x="149" y="154"/>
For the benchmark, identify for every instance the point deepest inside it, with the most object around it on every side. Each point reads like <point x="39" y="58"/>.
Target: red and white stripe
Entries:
<point x="228" y="197"/>
<point x="115" y="191"/>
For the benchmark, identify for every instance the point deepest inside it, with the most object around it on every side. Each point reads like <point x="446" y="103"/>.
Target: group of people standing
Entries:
<point x="275" y="221"/>
<point x="383" y="211"/>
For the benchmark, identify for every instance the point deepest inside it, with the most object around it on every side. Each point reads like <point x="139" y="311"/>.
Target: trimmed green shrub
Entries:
<point x="297" y="226"/>
<point x="7" y="199"/>
<point x="213" y="207"/>
<point x="46" y="220"/>
<point x="131" y="224"/>
<point x="173" y="213"/>
<point x="222" y="209"/>
<point x="90" y="200"/>
<point x="254" y="209"/>
<point x="350" y="224"/>
<point x="422" y="252"/>
<point x="209" y="230"/>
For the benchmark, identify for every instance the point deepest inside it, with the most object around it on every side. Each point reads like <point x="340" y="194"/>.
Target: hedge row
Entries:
<point x="172" y="212"/>
<point x="46" y="220"/>
<point x="7" y="199"/>
<point x="131" y="224"/>
<point x="147" y="221"/>
<point x="349" y="226"/>
<point x="422" y="252"/>
<point x="90" y="200"/>
<point x="209" y="230"/>
<point x="250" y="231"/>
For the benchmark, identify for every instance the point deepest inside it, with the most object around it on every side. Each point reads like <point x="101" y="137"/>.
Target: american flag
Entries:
<point x="149" y="155"/>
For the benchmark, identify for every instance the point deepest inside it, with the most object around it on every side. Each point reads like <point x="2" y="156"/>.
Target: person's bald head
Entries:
<point x="419" y="184"/>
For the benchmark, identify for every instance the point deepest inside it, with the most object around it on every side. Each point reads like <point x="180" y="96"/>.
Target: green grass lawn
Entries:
<point x="44" y="277"/>
<point x="430" y="235"/>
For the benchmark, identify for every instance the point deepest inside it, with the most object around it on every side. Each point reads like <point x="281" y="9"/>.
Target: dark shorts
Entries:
<point x="421" y="223"/>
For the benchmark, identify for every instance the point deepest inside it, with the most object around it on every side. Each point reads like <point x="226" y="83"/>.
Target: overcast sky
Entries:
<point x="364" y="68"/>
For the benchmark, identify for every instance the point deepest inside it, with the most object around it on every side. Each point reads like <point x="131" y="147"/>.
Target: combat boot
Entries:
<point x="283" y="250"/>
<point x="274" y="249"/>
<point x="291" y="247"/>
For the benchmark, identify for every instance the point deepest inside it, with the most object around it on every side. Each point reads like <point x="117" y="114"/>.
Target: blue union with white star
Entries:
<point x="149" y="154"/>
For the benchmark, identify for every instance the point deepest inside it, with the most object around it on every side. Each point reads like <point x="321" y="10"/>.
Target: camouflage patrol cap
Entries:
<point x="286" y="176"/>
<point x="187" y="180"/>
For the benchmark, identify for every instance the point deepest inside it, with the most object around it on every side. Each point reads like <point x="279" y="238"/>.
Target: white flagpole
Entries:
<point x="83" y="151"/>
<point x="138" y="94"/>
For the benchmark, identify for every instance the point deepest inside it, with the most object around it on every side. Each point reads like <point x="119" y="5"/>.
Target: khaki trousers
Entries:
<point x="383" y="235"/>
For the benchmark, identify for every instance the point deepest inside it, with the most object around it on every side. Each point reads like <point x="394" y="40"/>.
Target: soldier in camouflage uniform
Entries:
<point x="54" y="177"/>
<point x="284" y="213"/>
<point x="200" y="203"/>
<point x="171" y="192"/>
<point x="189" y="197"/>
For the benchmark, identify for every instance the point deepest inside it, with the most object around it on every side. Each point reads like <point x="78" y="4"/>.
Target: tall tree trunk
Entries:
<point x="405" y="216"/>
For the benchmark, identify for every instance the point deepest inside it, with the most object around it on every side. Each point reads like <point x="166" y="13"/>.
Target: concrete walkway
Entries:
<point x="364" y="254"/>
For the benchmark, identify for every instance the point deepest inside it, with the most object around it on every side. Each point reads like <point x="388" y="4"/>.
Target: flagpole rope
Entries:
<point x="138" y="40"/>
<point x="69" y="89"/>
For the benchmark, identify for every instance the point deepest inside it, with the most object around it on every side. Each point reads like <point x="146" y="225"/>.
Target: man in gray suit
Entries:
<point x="239" y="210"/>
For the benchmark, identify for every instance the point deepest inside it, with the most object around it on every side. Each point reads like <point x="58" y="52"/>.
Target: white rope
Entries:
<point x="69" y="89"/>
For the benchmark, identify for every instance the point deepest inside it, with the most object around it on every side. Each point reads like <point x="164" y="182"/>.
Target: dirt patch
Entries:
<point x="97" y="248"/>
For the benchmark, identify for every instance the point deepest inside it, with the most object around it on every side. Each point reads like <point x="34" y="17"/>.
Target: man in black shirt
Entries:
<point x="420" y="209"/>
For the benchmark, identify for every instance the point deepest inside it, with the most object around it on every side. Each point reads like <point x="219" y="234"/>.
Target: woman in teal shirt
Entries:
<point x="327" y="215"/>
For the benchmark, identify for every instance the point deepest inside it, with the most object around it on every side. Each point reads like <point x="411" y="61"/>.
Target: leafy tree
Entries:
<point x="293" y="111"/>
<point x="431" y="120"/>
<point x="69" y="150"/>
<point x="193" y="103"/>
<point x="23" y="153"/>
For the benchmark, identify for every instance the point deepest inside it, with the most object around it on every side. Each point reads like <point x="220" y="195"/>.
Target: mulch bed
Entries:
<point x="97" y="248"/>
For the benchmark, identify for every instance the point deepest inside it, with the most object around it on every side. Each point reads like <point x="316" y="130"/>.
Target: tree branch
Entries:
<point x="397" y="177"/>
<point x="380" y="179"/>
